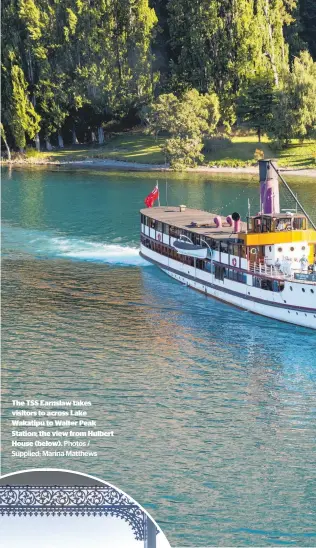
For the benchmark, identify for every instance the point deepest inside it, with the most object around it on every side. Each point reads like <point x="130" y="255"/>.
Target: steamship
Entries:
<point x="266" y="265"/>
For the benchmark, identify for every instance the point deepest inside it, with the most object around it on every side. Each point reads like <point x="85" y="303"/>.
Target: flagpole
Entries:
<point x="158" y="195"/>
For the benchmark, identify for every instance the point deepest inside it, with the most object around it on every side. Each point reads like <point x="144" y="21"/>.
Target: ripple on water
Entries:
<point x="213" y="408"/>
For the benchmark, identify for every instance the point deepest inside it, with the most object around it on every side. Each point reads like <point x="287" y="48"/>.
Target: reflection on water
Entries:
<point x="213" y="407"/>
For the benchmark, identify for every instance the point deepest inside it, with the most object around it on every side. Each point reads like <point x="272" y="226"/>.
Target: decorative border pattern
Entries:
<point x="72" y="501"/>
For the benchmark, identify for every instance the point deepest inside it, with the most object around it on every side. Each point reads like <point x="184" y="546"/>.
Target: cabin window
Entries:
<point x="215" y="245"/>
<point x="249" y="224"/>
<point x="257" y="225"/>
<point x="200" y="264"/>
<point x="299" y="223"/>
<point x="284" y="224"/>
<point x="188" y="234"/>
<point x="152" y="223"/>
<point x="236" y="276"/>
<point x="219" y="272"/>
<point x="266" y="224"/>
<point x="268" y="284"/>
<point x="159" y="226"/>
<point x="174" y="232"/>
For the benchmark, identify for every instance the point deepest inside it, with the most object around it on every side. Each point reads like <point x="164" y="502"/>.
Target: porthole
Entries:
<point x="292" y="248"/>
<point x="306" y="315"/>
<point x="291" y="288"/>
<point x="312" y="290"/>
<point x="296" y="313"/>
<point x="270" y="247"/>
<point x="303" y="247"/>
<point x="288" y="311"/>
<point x="303" y="289"/>
<point x="280" y="249"/>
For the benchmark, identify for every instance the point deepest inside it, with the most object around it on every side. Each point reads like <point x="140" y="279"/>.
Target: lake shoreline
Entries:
<point x="136" y="166"/>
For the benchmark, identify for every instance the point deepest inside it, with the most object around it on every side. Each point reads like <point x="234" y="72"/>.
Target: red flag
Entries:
<point x="152" y="197"/>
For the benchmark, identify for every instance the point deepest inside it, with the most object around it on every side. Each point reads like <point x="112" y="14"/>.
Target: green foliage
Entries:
<point x="294" y="113"/>
<point x="256" y="103"/>
<point x="223" y="44"/>
<point x="183" y="152"/>
<point x="216" y="142"/>
<point x="307" y="24"/>
<point x="30" y="14"/>
<point x="85" y="63"/>
<point x="24" y="119"/>
<point x="31" y="152"/>
<point x="259" y="154"/>
<point x="186" y="120"/>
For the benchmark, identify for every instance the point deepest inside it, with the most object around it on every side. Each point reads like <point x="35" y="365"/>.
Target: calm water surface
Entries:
<point x="213" y="408"/>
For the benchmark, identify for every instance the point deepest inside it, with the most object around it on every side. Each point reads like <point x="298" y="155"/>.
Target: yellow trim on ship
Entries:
<point x="255" y="239"/>
<point x="272" y="238"/>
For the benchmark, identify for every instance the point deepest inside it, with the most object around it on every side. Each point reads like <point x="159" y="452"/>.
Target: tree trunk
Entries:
<point x="93" y="137"/>
<point x="270" y="55"/>
<point x="100" y="135"/>
<point x="259" y="134"/>
<point x="7" y="147"/>
<point x="37" y="143"/>
<point x="74" y="137"/>
<point x="60" y="140"/>
<point x="48" y="144"/>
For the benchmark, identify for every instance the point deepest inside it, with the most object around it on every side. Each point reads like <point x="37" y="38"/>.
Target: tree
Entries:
<point x="307" y="29"/>
<point x="24" y="119"/>
<point x="186" y="120"/>
<point x="4" y="138"/>
<point x="222" y="43"/>
<point x="294" y="113"/>
<point x="255" y="104"/>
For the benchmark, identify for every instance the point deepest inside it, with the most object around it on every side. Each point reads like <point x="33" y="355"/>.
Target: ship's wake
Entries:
<point x="17" y="241"/>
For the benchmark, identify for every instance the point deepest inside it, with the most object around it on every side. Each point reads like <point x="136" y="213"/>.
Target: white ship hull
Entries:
<point x="296" y="304"/>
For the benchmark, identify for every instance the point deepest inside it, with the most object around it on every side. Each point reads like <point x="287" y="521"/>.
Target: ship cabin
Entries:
<point x="268" y="245"/>
<point x="276" y="222"/>
<point x="281" y="238"/>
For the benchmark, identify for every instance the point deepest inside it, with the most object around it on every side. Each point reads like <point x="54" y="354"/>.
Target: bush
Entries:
<point x="31" y="152"/>
<point x="258" y="155"/>
<point x="231" y="163"/>
<point x="277" y="144"/>
<point x="215" y="142"/>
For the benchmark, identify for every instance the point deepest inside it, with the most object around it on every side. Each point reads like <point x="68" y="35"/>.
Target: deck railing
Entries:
<point x="272" y="271"/>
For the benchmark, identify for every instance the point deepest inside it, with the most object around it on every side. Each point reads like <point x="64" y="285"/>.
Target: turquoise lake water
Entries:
<point x="213" y="408"/>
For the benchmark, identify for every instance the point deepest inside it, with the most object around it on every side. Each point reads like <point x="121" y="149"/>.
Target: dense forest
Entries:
<point x="72" y="70"/>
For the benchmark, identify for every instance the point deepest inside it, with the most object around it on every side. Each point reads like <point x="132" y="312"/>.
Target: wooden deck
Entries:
<point x="183" y="219"/>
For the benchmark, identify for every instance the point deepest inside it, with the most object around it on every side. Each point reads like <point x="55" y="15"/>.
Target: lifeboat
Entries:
<point x="189" y="249"/>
